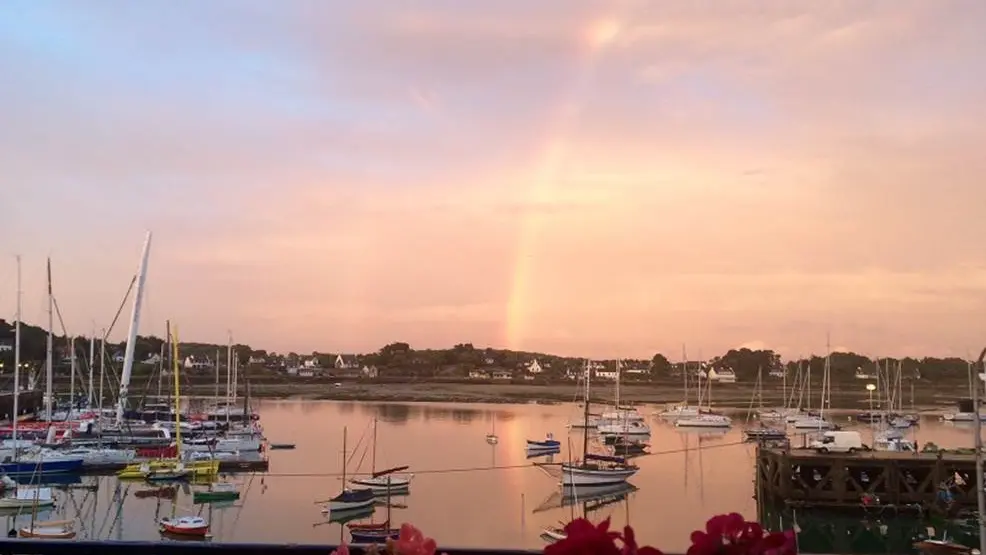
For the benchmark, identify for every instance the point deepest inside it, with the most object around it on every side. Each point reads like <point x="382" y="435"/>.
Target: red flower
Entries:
<point x="630" y="545"/>
<point x="732" y="535"/>
<point x="584" y="538"/>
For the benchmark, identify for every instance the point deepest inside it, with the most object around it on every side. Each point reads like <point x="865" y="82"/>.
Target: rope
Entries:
<point x="480" y="468"/>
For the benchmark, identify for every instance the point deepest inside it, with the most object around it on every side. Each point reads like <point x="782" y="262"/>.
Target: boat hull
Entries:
<point x="543" y="444"/>
<point x="383" y="484"/>
<point x="580" y="476"/>
<point x="209" y="496"/>
<point x="43" y="467"/>
<point x="374" y="536"/>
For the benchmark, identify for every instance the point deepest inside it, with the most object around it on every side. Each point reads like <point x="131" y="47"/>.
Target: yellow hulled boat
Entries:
<point x="199" y="469"/>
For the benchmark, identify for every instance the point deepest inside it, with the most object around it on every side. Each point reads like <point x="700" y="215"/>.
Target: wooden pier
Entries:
<point x="803" y="477"/>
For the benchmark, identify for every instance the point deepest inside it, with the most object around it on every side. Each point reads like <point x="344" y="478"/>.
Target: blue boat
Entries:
<point x="41" y="467"/>
<point x="549" y="443"/>
<point x="374" y="535"/>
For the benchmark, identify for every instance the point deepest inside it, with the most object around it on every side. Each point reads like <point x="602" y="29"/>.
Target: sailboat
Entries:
<point x="491" y="437"/>
<point x="385" y="480"/>
<point x="622" y="421"/>
<point x="819" y="422"/>
<point x="43" y="461"/>
<point x="595" y="470"/>
<point x="172" y="469"/>
<point x="705" y="420"/>
<point x="349" y="499"/>
<point x="591" y="498"/>
<point x="368" y="534"/>
<point x="762" y="431"/>
<point x="681" y="410"/>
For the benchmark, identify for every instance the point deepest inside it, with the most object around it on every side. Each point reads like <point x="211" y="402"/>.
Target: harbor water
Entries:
<point x="465" y="492"/>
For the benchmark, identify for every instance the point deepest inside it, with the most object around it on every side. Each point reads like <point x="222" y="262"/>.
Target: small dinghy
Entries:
<point x="49" y="530"/>
<point x="554" y="534"/>
<point x="492" y="439"/>
<point x="187" y="526"/>
<point x="549" y="443"/>
<point x="378" y="535"/>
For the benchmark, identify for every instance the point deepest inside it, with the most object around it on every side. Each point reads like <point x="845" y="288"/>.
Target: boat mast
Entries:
<point x="585" y="435"/>
<point x="71" y="387"/>
<point x="128" y="355"/>
<point x="102" y="374"/>
<point x="49" y="356"/>
<point x="373" y="456"/>
<point x="215" y="394"/>
<point x="684" y="372"/>
<point x="92" y="361"/>
<point x="229" y="373"/>
<point x="174" y="350"/>
<point x="17" y="359"/>
<point x="344" y="431"/>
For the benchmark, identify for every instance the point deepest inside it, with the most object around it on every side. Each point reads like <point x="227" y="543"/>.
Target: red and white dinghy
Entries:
<point x="185" y="526"/>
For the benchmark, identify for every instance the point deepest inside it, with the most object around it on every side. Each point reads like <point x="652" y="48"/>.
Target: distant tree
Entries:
<point x="660" y="366"/>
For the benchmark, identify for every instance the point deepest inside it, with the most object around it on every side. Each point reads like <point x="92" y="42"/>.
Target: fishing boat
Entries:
<point x="49" y="530"/>
<point x="549" y="443"/>
<point x="384" y="479"/>
<point x="219" y="491"/>
<point x="349" y="499"/>
<point x="187" y="526"/>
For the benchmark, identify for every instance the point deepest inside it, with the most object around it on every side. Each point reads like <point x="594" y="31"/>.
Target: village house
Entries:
<point x="721" y="375"/>
<point x="256" y="359"/>
<point x="636" y="371"/>
<point x="777" y="372"/>
<point x="154" y="358"/>
<point x="369" y="371"/>
<point x="306" y="372"/>
<point x="6" y="345"/>
<point x="575" y="373"/>
<point x="310" y="363"/>
<point x="193" y="363"/>
<point x="118" y="356"/>
<point x="292" y="370"/>
<point x="503" y="375"/>
<point x="864" y="375"/>
<point x="346" y="362"/>
<point x="489" y="361"/>
<point x="534" y="367"/>
<point x="479" y="375"/>
<point x="605" y="374"/>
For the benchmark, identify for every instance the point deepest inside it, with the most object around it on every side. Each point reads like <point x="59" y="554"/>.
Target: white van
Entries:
<point x="838" y="442"/>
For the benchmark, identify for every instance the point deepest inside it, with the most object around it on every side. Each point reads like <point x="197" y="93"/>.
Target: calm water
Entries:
<point x="456" y="496"/>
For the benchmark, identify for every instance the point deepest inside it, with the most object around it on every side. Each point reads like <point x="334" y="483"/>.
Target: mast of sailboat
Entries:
<point x="162" y="364"/>
<point x="17" y="359"/>
<point x="373" y="459"/>
<point x="71" y="381"/>
<point x="102" y="376"/>
<point x="229" y="373"/>
<point x="215" y="393"/>
<point x="344" y="432"/>
<point x="49" y="358"/>
<point x="92" y="362"/>
<point x="585" y="434"/>
<point x="684" y="372"/>
<point x="128" y="354"/>
<point x="174" y="362"/>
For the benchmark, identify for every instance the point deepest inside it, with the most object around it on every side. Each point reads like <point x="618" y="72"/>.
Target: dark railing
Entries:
<point x="70" y="547"/>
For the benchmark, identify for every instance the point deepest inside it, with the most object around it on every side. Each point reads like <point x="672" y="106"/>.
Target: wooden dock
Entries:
<point x="803" y="477"/>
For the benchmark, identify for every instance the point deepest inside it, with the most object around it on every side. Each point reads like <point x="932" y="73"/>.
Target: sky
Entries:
<point x="587" y="178"/>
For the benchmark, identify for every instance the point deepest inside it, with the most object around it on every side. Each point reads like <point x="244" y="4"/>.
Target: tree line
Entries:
<point x="399" y="358"/>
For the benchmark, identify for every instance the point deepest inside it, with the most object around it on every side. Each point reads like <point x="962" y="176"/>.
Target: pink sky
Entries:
<point x="585" y="178"/>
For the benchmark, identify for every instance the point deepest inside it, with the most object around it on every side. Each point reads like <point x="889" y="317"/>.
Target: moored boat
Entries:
<point x="549" y="442"/>
<point x="189" y="526"/>
<point x="49" y="530"/>
<point x="373" y="535"/>
<point x="219" y="491"/>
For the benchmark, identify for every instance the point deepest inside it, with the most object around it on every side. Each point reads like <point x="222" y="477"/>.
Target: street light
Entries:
<point x="871" y="388"/>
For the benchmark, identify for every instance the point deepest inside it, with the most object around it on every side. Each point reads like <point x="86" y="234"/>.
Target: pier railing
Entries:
<point x="63" y="547"/>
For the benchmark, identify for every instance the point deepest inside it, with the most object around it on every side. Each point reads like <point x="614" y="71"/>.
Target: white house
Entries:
<point x="370" y="371"/>
<point x="310" y="363"/>
<point x="118" y="357"/>
<point x="346" y="362"/>
<point x="489" y="361"/>
<point x="606" y="374"/>
<point x="864" y="375"/>
<point x="534" y="367"/>
<point x="194" y="363"/>
<point x="306" y="373"/>
<point x="502" y="375"/>
<point x="723" y="375"/>
<point x="575" y="373"/>
<point x="292" y="371"/>
<point x="478" y="375"/>
<point x="257" y="360"/>
<point x="154" y="358"/>
<point x="777" y="373"/>
<point x="6" y="345"/>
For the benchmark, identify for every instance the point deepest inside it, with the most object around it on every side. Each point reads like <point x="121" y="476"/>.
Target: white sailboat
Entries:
<point x="595" y="470"/>
<point x="819" y="422"/>
<point x="681" y="410"/>
<point x="385" y="480"/>
<point x="622" y="421"/>
<point x="706" y="420"/>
